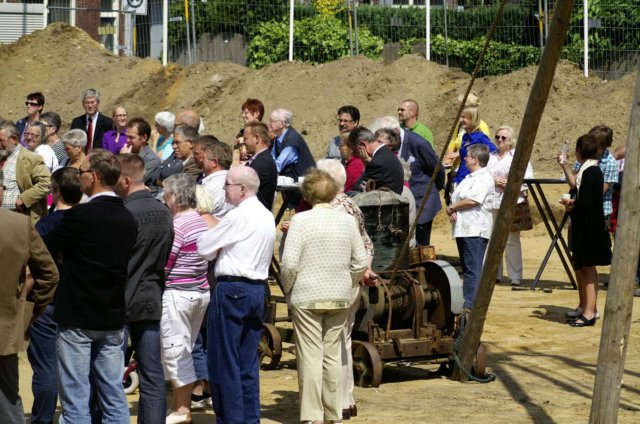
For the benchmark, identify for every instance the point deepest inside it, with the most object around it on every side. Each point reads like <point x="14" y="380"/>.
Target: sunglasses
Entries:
<point x="34" y="104"/>
<point x="501" y="137"/>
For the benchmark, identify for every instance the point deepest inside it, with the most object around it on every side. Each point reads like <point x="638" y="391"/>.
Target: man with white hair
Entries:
<point x="93" y="122"/>
<point x="422" y="161"/>
<point x="290" y="151"/>
<point x="26" y="176"/>
<point x="242" y="244"/>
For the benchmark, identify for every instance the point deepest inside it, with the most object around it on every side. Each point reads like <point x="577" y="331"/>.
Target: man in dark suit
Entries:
<point x="94" y="123"/>
<point x="383" y="168"/>
<point x="422" y="160"/>
<point x="289" y="150"/>
<point x="181" y="160"/>
<point x="256" y="138"/>
<point x="96" y="240"/>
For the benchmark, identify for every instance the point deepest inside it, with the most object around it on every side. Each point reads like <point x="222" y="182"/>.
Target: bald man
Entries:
<point x="242" y="242"/>
<point x="408" y="116"/>
<point x="191" y="118"/>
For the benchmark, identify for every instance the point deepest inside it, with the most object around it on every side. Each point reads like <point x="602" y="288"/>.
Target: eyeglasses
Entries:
<point x="231" y="184"/>
<point x="34" y="104"/>
<point x="29" y="135"/>
<point x="501" y="137"/>
<point x="122" y="115"/>
<point x="178" y="142"/>
<point x="90" y="102"/>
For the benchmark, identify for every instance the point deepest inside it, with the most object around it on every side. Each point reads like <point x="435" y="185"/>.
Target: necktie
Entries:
<point x="89" y="133"/>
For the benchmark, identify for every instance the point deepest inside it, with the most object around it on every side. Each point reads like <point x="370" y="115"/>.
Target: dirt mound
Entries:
<point x="62" y="61"/>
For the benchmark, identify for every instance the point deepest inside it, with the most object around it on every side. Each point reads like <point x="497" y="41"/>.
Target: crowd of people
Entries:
<point x="158" y="241"/>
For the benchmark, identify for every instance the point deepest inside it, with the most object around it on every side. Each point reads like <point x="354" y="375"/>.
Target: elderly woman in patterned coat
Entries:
<point x="324" y="259"/>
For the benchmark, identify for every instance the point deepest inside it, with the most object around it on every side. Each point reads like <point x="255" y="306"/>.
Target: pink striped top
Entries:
<point x="186" y="270"/>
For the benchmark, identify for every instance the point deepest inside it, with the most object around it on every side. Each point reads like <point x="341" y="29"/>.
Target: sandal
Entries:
<point x="583" y="321"/>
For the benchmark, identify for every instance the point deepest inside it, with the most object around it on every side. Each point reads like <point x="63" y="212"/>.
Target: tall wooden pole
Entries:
<point x="526" y="139"/>
<point x="617" y="312"/>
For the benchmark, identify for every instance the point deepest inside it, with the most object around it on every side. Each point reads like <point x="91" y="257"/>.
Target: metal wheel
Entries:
<point x="270" y="347"/>
<point x="367" y="366"/>
<point x="480" y="363"/>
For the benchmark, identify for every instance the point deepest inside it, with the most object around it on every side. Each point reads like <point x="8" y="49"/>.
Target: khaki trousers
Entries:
<point x="319" y="361"/>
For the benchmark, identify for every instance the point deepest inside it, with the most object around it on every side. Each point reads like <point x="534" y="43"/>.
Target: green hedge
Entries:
<point x="501" y="58"/>
<point x="317" y="40"/>
<point x="518" y="24"/>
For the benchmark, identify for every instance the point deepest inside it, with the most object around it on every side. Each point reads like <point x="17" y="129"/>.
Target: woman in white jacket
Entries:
<point x="499" y="165"/>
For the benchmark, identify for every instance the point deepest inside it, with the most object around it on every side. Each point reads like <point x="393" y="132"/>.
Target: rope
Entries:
<point x="436" y="171"/>
<point x="488" y="377"/>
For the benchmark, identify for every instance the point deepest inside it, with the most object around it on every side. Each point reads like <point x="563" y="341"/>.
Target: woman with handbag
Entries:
<point x="499" y="165"/>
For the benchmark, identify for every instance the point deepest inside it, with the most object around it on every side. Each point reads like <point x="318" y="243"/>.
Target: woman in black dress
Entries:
<point x="589" y="240"/>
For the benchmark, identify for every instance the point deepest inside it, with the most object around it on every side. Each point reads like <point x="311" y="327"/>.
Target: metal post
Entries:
<point x="446" y="33"/>
<point x="585" y="34"/>
<point x="193" y="31"/>
<point x="355" y="23"/>
<point x="428" y="24"/>
<point x="45" y="13"/>
<point x="350" y="24"/>
<point x="541" y="26"/>
<point x="290" y="30"/>
<point x="134" y="32"/>
<point x="165" y="32"/>
<point x="546" y="19"/>
<point x="186" y="22"/>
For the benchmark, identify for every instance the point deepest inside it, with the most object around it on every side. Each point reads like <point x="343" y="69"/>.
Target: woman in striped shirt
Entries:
<point x="186" y="295"/>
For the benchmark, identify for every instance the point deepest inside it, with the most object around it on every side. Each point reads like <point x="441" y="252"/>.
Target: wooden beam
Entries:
<point x="528" y="130"/>
<point x="617" y="313"/>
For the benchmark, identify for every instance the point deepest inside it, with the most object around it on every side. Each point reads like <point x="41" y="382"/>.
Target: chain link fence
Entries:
<point x="451" y="32"/>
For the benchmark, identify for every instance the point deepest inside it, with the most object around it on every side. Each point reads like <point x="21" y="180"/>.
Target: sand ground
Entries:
<point x="545" y="369"/>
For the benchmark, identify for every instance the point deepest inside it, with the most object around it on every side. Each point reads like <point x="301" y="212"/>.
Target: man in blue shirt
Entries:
<point x="289" y="150"/>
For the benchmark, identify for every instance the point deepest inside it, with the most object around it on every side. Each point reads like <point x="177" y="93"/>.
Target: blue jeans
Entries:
<point x="471" y="250"/>
<point x="11" y="410"/>
<point x="235" y="329"/>
<point x="86" y="354"/>
<point x="42" y="357"/>
<point x="199" y="354"/>
<point x="145" y="341"/>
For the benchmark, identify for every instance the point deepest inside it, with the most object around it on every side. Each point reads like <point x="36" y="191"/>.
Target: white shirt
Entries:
<point x="214" y="184"/>
<point x="476" y="221"/>
<point x="499" y="168"/>
<point x="49" y="157"/>
<point x="242" y="241"/>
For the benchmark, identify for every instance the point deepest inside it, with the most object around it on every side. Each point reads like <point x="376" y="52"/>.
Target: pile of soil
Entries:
<point x="62" y="61"/>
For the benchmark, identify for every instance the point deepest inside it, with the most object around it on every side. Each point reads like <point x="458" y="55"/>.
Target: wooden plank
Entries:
<point x="619" y="305"/>
<point x="528" y="130"/>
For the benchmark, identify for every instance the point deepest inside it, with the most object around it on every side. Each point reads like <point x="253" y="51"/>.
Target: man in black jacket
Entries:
<point x="256" y="138"/>
<point x="143" y="294"/>
<point x="383" y="167"/>
<point x="96" y="240"/>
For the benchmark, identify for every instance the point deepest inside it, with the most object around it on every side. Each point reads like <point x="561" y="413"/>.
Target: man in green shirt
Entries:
<point x="408" y="117"/>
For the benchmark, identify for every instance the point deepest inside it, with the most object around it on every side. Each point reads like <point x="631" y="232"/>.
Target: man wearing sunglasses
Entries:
<point x="34" y="105"/>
